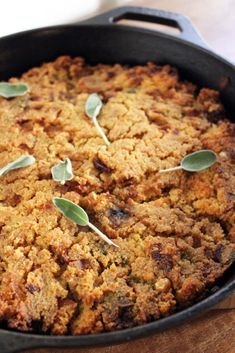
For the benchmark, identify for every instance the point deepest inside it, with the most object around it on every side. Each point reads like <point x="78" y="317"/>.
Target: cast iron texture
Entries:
<point x="102" y="40"/>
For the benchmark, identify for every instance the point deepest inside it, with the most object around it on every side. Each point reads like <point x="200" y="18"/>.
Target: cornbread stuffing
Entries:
<point x="175" y="230"/>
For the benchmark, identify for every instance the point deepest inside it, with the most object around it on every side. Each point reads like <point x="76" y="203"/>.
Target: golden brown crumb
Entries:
<point x="175" y="230"/>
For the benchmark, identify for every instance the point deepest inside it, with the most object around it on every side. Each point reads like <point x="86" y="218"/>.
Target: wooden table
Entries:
<point x="215" y="331"/>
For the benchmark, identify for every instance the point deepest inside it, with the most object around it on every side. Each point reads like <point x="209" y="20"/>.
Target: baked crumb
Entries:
<point x="175" y="231"/>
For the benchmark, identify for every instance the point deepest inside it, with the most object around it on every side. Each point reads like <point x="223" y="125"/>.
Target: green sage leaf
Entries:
<point x="195" y="162"/>
<point x="10" y="90"/>
<point x="78" y="215"/>
<point x="199" y="160"/>
<point x="72" y="211"/>
<point x="21" y="162"/>
<point x="92" y="109"/>
<point x="93" y="106"/>
<point x="63" y="171"/>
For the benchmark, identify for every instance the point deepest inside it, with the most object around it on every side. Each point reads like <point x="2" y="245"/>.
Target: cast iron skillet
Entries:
<point x="100" y="39"/>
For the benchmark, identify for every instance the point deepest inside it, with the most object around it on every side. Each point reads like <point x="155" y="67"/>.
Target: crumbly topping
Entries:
<point x="176" y="230"/>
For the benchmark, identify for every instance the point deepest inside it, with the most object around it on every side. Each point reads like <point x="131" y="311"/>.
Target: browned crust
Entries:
<point x="175" y="230"/>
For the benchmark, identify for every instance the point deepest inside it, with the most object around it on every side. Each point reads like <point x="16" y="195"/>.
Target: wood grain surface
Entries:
<point x="214" y="332"/>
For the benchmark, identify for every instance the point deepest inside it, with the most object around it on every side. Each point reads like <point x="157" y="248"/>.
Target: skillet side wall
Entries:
<point x="117" y="44"/>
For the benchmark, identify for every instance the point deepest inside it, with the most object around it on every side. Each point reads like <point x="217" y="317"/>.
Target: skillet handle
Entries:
<point x="171" y="19"/>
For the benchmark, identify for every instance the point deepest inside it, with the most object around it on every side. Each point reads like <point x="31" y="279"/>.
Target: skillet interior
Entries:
<point x="109" y="44"/>
<point x="117" y="44"/>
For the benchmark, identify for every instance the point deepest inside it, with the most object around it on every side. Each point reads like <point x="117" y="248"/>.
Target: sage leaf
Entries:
<point x="78" y="215"/>
<point x="21" y="162"/>
<point x="72" y="211"/>
<point x="63" y="171"/>
<point x="195" y="162"/>
<point x="93" y="105"/>
<point x="92" y="109"/>
<point x="10" y="90"/>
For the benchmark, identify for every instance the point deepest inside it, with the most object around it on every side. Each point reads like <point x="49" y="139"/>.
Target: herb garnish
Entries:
<point x="63" y="171"/>
<point x="77" y="214"/>
<point x="92" y="109"/>
<point x="195" y="162"/>
<point x="10" y="90"/>
<point x="21" y="162"/>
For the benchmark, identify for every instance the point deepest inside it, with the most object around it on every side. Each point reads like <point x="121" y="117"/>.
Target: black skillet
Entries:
<point x="100" y="39"/>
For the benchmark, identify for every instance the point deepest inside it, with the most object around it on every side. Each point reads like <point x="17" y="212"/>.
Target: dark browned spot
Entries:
<point x="128" y="181"/>
<point x="193" y="112"/>
<point x="14" y="200"/>
<point x="203" y="229"/>
<point x="71" y="186"/>
<point x="131" y="193"/>
<point x="1" y="225"/>
<point x="218" y="253"/>
<point x="52" y="130"/>
<point x="196" y="241"/>
<point x="44" y="176"/>
<point x="155" y="69"/>
<point x="111" y="74"/>
<point x="25" y="125"/>
<point x="215" y="115"/>
<point x="109" y="94"/>
<point x="81" y="264"/>
<point x="63" y="258"/>
<point x="32" y="288"/>
<point x="135" y="77"/>
<point x="117" y="215"/>
<point x="26" y="148"/>
<point x="164" y="261"/>
<point x="139" y="135"/>
<point x="206" y="270"/>
<point x="165" y="127"/>
<point x="84" y="264"/>
<point x="209" y="253"/>
<point x="98" y="164"/>
<point x="137" y="80"/>
<point x="35" y="97"/>
<point x="125" y="316"/>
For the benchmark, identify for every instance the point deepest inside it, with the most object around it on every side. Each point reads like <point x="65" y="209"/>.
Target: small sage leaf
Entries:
<point x="92" y="109"/>
<point x="77" y="214"/>
<point x="93" y="106"/>
<point x="62" y="171"/>
<point x="195" y="162"/>
<point x="10" y="90"/>
<point x="23" y="161"/>
<point x="72" y="211"/>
